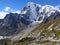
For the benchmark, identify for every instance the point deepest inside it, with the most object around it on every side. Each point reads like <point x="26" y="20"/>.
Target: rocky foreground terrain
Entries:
<point x="35" y="25"/>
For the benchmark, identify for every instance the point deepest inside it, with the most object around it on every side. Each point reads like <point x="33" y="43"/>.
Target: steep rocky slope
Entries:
<point x="35" y="25"/>
<point x="42" y="34"/>
<point x="45" y="34"/>
<point x="32" y="14"/>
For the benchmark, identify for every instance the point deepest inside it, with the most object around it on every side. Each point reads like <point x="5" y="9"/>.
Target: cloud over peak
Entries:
<point x="2" y="14"/>
<point x="57" y="7"/>
<point x="7" y="9"/>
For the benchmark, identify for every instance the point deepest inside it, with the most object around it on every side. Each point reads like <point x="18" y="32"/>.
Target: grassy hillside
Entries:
<point x="43" y="34"/>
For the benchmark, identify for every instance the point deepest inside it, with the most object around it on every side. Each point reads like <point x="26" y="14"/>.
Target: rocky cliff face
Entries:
<point x="30" y="15"/>
<point x="35" y="25"/>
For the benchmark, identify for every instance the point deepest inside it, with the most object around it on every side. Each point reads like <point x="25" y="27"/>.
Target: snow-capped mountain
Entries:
<point x="38" y="13"/>
<point x="30" y="15"/>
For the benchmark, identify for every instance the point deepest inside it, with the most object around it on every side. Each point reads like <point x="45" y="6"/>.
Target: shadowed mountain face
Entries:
<point x="13" y="23"/>
<point x="9" y="24"/>
<point x="53" y="16"/>
<point x="30" y="15"/>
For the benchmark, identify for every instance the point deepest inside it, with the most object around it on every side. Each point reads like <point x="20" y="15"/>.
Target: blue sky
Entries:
<point x="19" y="4"/>
<point x="7" y="6"/>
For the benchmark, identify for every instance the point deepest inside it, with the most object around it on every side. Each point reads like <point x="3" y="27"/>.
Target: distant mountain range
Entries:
<point x="35" y="25"/>
<point x="31" y="15"/>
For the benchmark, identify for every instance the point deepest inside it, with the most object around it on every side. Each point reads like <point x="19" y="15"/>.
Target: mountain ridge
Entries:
<point x="31" y="15"/>
<point x="35" y="25"/>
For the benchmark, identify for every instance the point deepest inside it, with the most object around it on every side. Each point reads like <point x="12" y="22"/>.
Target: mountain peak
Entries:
<point x="30" y="15"/>
<point x="32" y="3"/>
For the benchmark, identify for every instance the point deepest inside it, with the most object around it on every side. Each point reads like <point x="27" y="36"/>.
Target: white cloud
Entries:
<point x="18" y="11"/>
<point x="57" y="7"/>
<point x="2" y="14"/>
<point x="11" y="10"/>
<point x="7" y="8"/>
